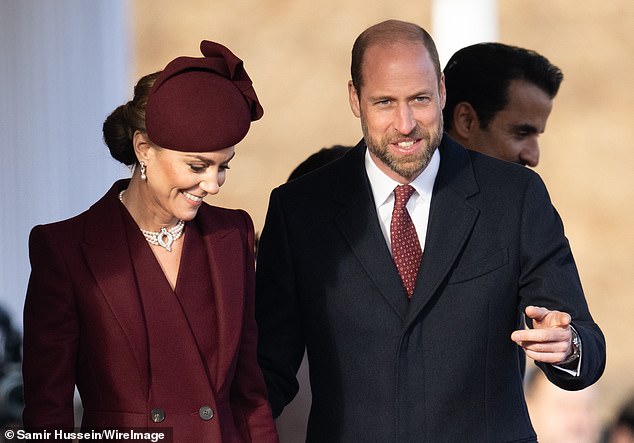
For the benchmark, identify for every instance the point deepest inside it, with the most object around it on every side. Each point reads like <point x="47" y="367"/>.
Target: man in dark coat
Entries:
<point x="408" y="305"/>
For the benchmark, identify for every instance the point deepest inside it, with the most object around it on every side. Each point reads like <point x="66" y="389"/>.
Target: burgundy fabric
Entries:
<point x="406" y="250"/>
<point x="202" y="104"/>
<point x="177" y="323"/>
<point x="85" y="323"/>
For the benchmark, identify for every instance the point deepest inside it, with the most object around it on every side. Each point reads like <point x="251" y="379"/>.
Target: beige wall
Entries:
<point x="297" y="53"/>
<point x="587" y="155"/>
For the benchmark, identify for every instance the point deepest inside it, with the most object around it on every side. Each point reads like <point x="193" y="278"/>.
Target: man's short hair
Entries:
<point x="389" y="32"/>
<point x="480" y="75"/>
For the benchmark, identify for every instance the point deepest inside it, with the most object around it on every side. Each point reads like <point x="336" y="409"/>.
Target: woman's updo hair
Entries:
<point x="121" y="124"/>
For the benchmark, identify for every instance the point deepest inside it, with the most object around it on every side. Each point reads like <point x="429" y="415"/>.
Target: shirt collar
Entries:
<point x="383" y="186"/>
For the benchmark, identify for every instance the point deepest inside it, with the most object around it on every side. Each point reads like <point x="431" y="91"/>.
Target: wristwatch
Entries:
<point x="576" y="348"/>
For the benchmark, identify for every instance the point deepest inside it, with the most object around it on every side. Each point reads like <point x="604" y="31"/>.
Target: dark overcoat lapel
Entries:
<point x="451" y="220"/>
<point x="359" y="224"/>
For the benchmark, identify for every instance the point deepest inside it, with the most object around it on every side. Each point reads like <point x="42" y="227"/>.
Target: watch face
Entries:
<point x="575" y="344"/>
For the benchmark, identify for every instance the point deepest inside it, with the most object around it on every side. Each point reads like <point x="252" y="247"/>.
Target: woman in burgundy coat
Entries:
<point x="145" y="302"/>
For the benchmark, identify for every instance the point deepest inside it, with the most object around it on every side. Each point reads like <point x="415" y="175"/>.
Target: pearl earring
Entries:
<point x="142" y="166"/>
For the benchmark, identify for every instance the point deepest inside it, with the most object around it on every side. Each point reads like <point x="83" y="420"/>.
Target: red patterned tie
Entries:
<point x="406" y="250"/>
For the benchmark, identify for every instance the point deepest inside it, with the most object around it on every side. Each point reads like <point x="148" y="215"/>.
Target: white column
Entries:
<point x="460" y="23"/>
<point x="64" y="67"/>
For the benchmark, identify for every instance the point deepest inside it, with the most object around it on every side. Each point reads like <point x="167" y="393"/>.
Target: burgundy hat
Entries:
<point x="201" y="104"/>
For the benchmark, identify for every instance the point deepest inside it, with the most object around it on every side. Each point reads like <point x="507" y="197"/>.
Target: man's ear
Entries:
<point x="353" y="98"/>
<point x="465" y="120"/>
<point x="442" y="92"/>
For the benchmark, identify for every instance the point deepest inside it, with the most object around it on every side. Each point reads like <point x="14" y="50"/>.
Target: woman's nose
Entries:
<point x="210" y="185"/>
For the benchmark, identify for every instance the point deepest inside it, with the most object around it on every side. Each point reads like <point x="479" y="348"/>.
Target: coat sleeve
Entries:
<point x="51" y="335"/>
<point x="549" y="278"/>
<point x="282" y="343"/>
<point x="252" y="411"/>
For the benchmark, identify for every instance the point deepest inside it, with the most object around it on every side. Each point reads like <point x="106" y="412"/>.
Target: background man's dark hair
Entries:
<point x="319" y="159"/>
<point x="480" y="75"/>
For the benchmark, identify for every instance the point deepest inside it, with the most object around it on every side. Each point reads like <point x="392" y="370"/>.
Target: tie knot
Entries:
<point x="402" y="194"/>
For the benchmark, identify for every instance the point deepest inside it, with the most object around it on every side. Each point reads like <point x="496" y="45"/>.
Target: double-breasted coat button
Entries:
<point x="206" y="413"/>
<point x="158" y="415"/>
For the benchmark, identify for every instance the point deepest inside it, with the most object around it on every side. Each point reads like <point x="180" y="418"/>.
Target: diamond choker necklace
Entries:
<point x="164" y="237"/>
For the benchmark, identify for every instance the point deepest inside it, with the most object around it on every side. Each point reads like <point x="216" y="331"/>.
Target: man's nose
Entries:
<point x="529" y="156"/>
<point x="405" y="121"/>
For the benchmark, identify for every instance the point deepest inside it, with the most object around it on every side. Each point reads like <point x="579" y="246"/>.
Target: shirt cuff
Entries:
<point x="576" y="371"/>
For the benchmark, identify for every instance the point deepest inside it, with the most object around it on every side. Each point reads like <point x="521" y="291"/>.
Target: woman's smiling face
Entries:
<point x="178" y="181"/>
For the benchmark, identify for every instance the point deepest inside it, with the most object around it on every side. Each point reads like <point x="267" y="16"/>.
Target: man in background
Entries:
<point x="499" y="98"/>
<point x="622" y="431"/>
<point x="560" y="416"/>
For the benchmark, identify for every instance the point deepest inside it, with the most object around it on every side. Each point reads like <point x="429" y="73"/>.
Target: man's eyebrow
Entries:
<point x="380" y="97"/>
<point x="525" y="127"/>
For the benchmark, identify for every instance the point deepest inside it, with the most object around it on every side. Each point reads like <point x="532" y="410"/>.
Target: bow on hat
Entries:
<point x="200" y="104"/>
<point x="233" y="69"/>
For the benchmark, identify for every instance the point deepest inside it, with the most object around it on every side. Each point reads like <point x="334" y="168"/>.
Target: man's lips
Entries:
<point x="406" y="145"/>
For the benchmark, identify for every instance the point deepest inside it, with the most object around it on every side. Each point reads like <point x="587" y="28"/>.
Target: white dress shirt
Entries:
<point x="418" y="204"/>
